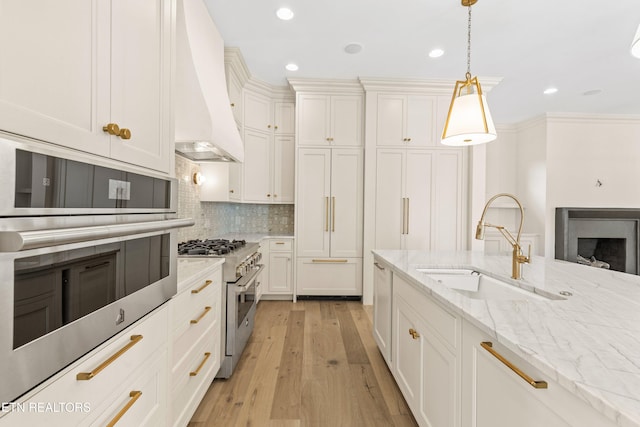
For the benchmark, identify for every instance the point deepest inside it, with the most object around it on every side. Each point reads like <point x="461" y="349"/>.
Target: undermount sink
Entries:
<point x="475" y="285"/>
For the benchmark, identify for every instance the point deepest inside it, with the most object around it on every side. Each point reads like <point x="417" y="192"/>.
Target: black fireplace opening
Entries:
<point x="611" y="251"/>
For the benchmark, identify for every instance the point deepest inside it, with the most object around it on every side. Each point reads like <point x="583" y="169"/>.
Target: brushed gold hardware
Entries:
<point x="333" y="214"/>
<point x="268" y="195"/>
<point x="206" y="283"/>
<point x="204" y="313"/>
<point x="233" y="104"/>
<point x="134" y="395"/>
<point x="408" y="139"/>
<point x="206" y="357"/>
<point x="328" y="139"/>
<point x="231" y="191"/>
<point x="487" y="345"/>
<point x="331" y="139"/>
<point x="112" y="129"/>
<point x="83" y="376"/>
<point x="326" y="214"/>
<point x="276" y="127"/>
<point x="379" y="266"/>
<point x="330" y="261"/>
<point x="279" y="243"/>
<point x="407" y="213"/>
<point x="414" y="334"/>
<point x="125" y="133"/>
<point x="467" y="3"/>
<point x="268" y="126"/>
<point x="275" y="195"/>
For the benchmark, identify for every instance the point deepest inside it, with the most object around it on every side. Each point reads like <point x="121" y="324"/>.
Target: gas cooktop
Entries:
<point x="209" y="247"/>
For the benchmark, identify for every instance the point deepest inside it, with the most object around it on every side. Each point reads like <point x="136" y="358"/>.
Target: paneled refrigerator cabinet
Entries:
<point x="329" y="213"/>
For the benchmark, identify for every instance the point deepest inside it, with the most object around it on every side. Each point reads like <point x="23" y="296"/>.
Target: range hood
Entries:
<point x="205" y="129"/>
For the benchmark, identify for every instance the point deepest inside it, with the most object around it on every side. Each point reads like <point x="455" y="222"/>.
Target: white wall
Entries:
<point x="584" y="149"/>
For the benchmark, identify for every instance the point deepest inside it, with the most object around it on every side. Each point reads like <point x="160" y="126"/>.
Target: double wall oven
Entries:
<point x="86" y="249"/>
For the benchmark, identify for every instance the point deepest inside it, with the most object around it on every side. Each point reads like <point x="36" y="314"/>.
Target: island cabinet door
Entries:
<point x="426" y="370"/>
<point x="493" y="395"/>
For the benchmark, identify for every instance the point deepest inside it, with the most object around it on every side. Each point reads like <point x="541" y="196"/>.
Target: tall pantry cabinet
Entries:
<point x="329" y="187"/>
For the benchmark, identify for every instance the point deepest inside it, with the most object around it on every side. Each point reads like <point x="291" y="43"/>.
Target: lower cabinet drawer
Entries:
<point x="280" y="244"/>
<point x="329" y="276"/>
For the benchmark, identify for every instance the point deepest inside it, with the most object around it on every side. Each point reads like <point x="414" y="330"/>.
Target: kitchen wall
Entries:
<point x="214" y="219"/>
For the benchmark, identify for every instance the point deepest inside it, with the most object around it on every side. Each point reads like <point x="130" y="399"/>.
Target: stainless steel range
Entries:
<point x="240" y="271"/>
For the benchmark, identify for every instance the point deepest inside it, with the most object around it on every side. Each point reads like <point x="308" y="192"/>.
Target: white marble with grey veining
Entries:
<point x="255" y="237"/>
<point x="589" y="343"/>
<point x="190" y="269"/>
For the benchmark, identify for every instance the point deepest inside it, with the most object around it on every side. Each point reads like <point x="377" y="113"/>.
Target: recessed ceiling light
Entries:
<point x="284" y="13"/>
<point x="592" y="92"/>
<point x="353" y="48"/>
<point x="550" y="90"/>
<point x="291" y="67"/>
<point x="436" y="53"/>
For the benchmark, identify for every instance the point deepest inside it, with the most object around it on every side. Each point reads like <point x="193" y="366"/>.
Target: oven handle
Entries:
<point x="244" y="283"/>
<point x="13" y="241"/>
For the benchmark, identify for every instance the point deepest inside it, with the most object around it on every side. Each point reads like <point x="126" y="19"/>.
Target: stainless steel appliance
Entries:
<point x="85" y="250"/>
<point x="240" y="273"/>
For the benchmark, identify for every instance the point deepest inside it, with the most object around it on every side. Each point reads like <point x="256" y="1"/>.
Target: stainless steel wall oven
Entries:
<point x="86" y="249"/>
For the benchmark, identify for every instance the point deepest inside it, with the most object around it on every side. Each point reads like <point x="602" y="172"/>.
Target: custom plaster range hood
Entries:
<point x="205" y="129"/>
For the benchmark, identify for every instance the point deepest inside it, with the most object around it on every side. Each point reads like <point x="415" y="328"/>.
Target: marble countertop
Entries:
<point x="190" y="268"/>
<point x="255" y="237"/>
<point x="589" y="342"/>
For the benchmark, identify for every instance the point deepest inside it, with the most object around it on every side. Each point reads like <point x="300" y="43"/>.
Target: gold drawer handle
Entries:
<point x="279" y="243"/>
<point x="204" y="313"/>
<point x="206" y="357"/>
<point x="82" y="376"/>
<point x="329" y="261"/>
<point x="535" y="384"/>
<point x="206" y="283"/>
<point x="134" y="395"/>
<point x="414" y="334"/>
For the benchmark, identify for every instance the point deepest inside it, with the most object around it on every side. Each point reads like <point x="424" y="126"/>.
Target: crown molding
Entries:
<point x="326" y="85"/>
<point x="234" y="60"/>
<point x="582" y="118"/>
<point x="429" y="86"/>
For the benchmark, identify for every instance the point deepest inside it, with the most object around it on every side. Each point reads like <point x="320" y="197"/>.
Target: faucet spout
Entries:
<point x="518" y="257"/>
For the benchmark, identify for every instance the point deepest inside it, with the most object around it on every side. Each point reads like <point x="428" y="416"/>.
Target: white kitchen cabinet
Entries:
<point x="382" y="310"/>
<point x="329" y="120"/>
<point x="419" y="199"/>
<point x="109" y="63"/>
<point x="496" y="396"/>
<point x="137" y="375"/>
<point x="196" y="348"/>
<point x="425" y="360"/>
<point x="406" y="120"/>
<point x="329" y="215"/>
<point x="277" y="254"/>
<point x="234" y="89"/>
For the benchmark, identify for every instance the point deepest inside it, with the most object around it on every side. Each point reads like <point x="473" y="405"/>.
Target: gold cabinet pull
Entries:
<point x="404" y="215"/>
<point x="407" y="213"/>
<point x="535" y="384"/>
<point x="83" y="376"/>
<point x="206" y="283"/>
<point x="231" y="191"/>
<point x="206" y="357"/>
<point x="333" y="214"/>
<point x="414" y="334"/>
<point x="326" y="214"/>
<point x="379" y="266"/>
<point x="112" y="129"/>
<point x="204" y="313"/>
<point x="233" y="104"/>
<point x="279" y="243"/>
<point x="329" y="261"/>
<point x="125" y="133"/>
<point x="134" y="395"/>
<point x="269" y="195"/>
<point x="268" y="126"/>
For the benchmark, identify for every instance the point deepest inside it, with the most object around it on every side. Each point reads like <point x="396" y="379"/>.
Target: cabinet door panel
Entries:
<point x="420" y="118"/>
<point x="283" y="168"/>
<point x="418" y="189"/>
<point x="313" y="120"/>
<point x="382" y="310"/>
<point x="448" y="201"/>
<point x="391" y="112"/>
<point x="389" y="199"/>
<point x="329" y="276"/>
<point x="256" y="166"/>
<point x="140" y="32"/>
<point x="257" y="112"/>
<point x="280" y="273"/>
<point x="407" y="351"/>
<point x="54" y="78"/>
<point x="284" y="116"/>
<point x="346" y="120"/>
<point x="313" y="200"/>
<point x="346" y="203"/>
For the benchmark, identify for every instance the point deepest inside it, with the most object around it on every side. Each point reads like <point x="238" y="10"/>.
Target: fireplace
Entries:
<point x="599" y="237"/>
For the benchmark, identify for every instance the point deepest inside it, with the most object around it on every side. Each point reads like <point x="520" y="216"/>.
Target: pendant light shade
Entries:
<point x="469" y="121"/>
<point x="635" y="46"/>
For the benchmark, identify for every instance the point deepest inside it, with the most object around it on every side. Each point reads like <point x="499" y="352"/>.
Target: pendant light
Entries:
<point x="469" y="120"/>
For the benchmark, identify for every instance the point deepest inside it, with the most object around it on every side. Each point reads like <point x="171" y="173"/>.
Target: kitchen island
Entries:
<point x="584" y="337"/>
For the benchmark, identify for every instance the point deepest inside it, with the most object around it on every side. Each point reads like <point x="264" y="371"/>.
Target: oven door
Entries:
<point x="241" y="308"/>
<point x="66" y="290"/>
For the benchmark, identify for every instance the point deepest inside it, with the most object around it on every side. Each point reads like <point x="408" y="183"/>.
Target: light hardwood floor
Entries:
<point x="312" y="363"/>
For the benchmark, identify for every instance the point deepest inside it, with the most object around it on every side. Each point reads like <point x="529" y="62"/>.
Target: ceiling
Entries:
<point x="580" y="47"/>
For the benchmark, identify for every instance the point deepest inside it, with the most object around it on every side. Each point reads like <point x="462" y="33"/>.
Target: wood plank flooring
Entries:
<point x="312" y="363"/>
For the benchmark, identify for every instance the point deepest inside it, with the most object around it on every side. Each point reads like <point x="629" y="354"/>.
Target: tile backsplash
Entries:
<point x="213" y="219"/>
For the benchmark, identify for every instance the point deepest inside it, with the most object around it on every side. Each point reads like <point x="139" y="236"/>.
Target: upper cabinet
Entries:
<point x="330" y="120"/>
<point x="406" y="120"/>
<point x="100" y="83"/>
